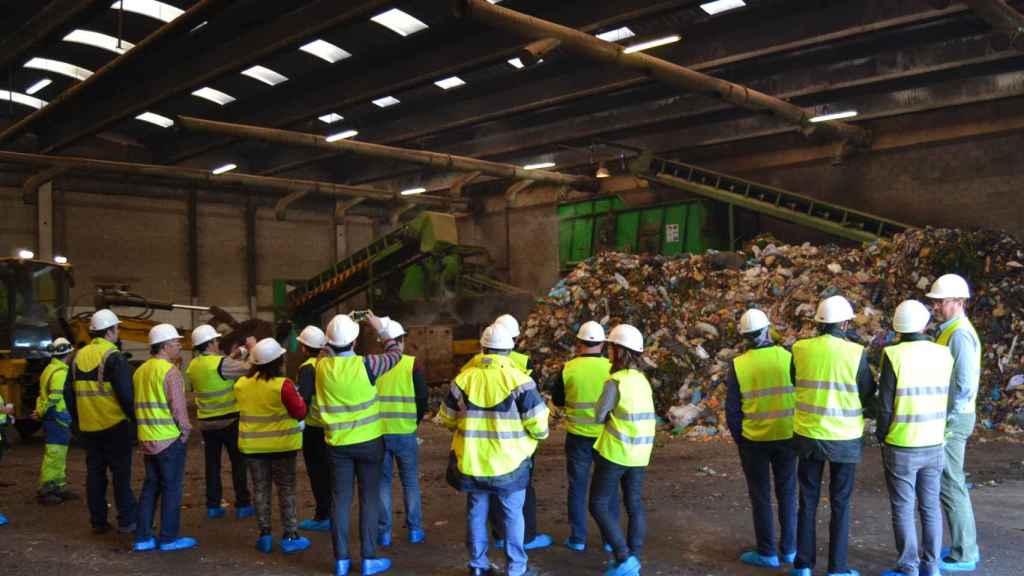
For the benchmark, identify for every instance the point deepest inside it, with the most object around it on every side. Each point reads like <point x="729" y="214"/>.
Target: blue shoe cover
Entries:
<point x="893" y="573"/>
<point x="630" y="567"/>
<point x="384" y="540"/>
<point x="574" y="545"/>
<point x="499" y="543"/>
<point x="375" y="566"/>
<point x="608" y="548"/>
<point x="265" y="544"/>
<point x="244" y="512"/>
<point x="3" y="520"/>
<point x="539" y="541"/>
<point x="789" y="558"/>
<point x="144" y="546"/>
<point x="946" y="551"/>
<point x="752" y="558"/>
<point x="416" y="536"/>
<point x="183" y="543"/>
<point x="850" y="572"/>
<point x="958" y="566"/>
<point x="217" y="512"/>
<point x="313" y="525"/>
<point x="342" y="567"/>
<point x="293" y="545"/>
<point x="800" y="572"/>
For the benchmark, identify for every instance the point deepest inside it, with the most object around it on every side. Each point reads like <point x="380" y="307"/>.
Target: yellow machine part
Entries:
<point x="10" y="370"/>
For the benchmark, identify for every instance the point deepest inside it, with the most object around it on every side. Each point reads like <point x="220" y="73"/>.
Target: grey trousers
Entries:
<point x="956" y="498"/>
<point x="913" y="476"/>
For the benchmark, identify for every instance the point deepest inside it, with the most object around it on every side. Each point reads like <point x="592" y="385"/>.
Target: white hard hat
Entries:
<point x="833" y="310"/>
<point x="103" y="319"/>
<point x="628" y="337"/>
<point x="949" y="286"/>
<point x="342" y="331"/>
<point x="204" y="333"/>
<point x="497" y="337"/>
<point x="392" y="329"/>
<point x="162" y="333"/>
<point x="753" y="320"/>
<point x="312" y="337"/>
<point x="266" y="351"/>
<point x="911" y="316"/>
<point x="510" y="323"/>
<point x="60" y="347"/>
<point x="591" y="332"/>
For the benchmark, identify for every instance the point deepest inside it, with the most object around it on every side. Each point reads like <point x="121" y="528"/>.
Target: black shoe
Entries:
<point x="129" y="529"/>
<point x="480" y="571"/>
<point x="69" y="495"/>
<point x="100" y="528"/>
<point x="49" y="499"/>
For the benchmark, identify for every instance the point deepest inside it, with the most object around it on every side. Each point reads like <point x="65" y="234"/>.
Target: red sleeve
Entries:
<point x="292" y="400"/>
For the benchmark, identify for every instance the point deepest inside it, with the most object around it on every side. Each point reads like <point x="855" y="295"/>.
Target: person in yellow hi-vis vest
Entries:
<point x="498" y="417"/>
<point x="102" y="406"/>
<point x="6" y="416"/>
<point x="912" y="388"/>
<point x="832" y="380"/>
<point x="346" y="395"/>
<point x="51" y="409"/>
<point x="759" y="406"/>
<point x="577" y="387"/>
<point x="314" y="448"/>
<point x="402" y="393"/>
<point x="626" y="409"/>
<point x="213" y="376"/>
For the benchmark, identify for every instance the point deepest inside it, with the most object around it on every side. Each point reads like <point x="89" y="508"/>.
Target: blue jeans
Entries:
<point x="477" y="505"/>
<point x="579" y="460"/>
<point x="608" y="476"/>
<point x="164" y="474"/>
<point x="403" y="448"/>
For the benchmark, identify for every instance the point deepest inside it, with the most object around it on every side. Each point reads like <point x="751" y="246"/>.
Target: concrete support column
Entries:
<point x="44" y="221"/>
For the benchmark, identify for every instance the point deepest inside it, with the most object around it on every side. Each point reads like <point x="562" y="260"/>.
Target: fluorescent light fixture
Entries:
<point x="224" y="168"/>
<point x="517" y="63"/>
<point x="38" y="86"/>
<point x="161" y="121"/>
<point x="539" y="166"/>
<point x="200" y="25"/>
<point x="494" y="1"/>
<point x="617" y="35"/>
<point x="325" y="51"/>
<point x="331" y="118"/>
<point x="215" y="96"/>
<point x="834" y="116"/>
<point x="60" y="259"/>
<point x="26" y="254"/>
<point x="653" y="44"/>
<point x="150" y="8"/>
<point x="342" y="135"/>
<point x="399" y="22"/>
<point x="719" y="6"/>
<point x="99" y="40"/>
<point x="58" y="67"/>
<point x="412" y="191"/>
<point x="23" y="99"/>
<point x="265" y="75"/>
<point x="386" y="101"/>
<point x="449" y="83"/>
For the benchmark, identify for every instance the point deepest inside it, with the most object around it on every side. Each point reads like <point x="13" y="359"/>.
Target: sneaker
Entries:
<point x="416" y="536"/>
<point x="243" y="512"/>
<point x="629" y="567"/>
<point x="384" y="539"/>
<point x="752" y="558"/>
<point x="947" y="551"/>
<point x="375" y="566"/>
<point x="574" y="545"/>
<point x="342" y="567"/>
<point x="144" y="545"/>
<point x="314" y="525"/>
<point x="539" y="541"/>
<point x="265" y="544"/>
<point x="217" y="512"/>
<point x="294" y="544"/>
<point x="183" y="543"/>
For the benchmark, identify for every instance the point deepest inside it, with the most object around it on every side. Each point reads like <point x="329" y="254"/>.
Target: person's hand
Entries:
<point x="374" y="321"/>
<point x="250" y="342"/>
<point x="35" y="415"/>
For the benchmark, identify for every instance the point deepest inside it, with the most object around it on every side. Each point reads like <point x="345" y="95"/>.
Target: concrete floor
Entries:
<point x="698" y="523"/>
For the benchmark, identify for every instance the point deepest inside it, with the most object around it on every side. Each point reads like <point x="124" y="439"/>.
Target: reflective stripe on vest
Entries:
<point x="95" y="402"/>
<point x="313" y="417"/>
<point x="263" y="422"/>
<point x="584" y="378"/>
<point x="922" y="371"/>
<point x="827" y="399"/>
<point x="215" y="396"/>
<point x="767" y="393"/>
<point x="347" y="400"/>
<point x="962" y="323"/>
<point x="152" y="412"/>
<point x="628" y="435"/>
<point x="397" y="396"/>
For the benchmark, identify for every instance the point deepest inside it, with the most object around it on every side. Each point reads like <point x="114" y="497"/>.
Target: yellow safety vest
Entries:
<point x="766" y="390"/>
<point x="95" y="401"/>
<point x="215" y="396"/>
<point x="827" y="398"/>
<point x="520" y="360"/>
<point x="584" y="378"/>
<point x="264" y="425"/>
<point x="51" y="387"/>
<point x="923" y="370"/>
<point x="3" y="417"/>
<point x="347" y="400"/>
<point x="397" y="396"/>
<point x="152" y="412"/>
<point x="489" y="443"/>
<point x="943" y="339"/>
<point x="313" y="417"/>
<point x="628" y="435"/>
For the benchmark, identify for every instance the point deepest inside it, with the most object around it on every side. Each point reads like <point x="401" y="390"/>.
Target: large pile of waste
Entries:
<point x="688" y="307"/>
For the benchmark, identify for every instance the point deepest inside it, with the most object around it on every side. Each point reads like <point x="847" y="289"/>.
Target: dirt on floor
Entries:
<point x="698" y="519"/>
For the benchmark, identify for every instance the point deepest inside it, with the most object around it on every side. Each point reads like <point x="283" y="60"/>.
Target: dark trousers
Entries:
<point x="608" y="477"/>
<point x="164" y="475"/>
<point x="314" y="452"/>
<point x="497" y="520"/>
<point x="110" y="449"/>
<point x="840" y="488"/>
<point x="350" y="463"/>
<point x="579" y="460"/>
<point x="761" y="461"/>
<point x="214" y="441"/>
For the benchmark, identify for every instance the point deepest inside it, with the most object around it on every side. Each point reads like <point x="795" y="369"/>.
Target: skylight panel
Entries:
<point x="215" y="96"/>
<point x="719" y="6"/>
<point x="161" y="121"/>
<point x="652" y="44"/>
<point x="539" y="166"/>
<point x="617" y="35"/>
<point x="58" y="67"/>
<point x="38" y="86"/>
<point x="413" y="191"/>
<point x="386" y="101"/>
<point x="265" y="75"/>
<point x="23" y="99"/>
<point x="343" y="135"/>
<point x="325" y="51"/>
<point x="331" y="118"/>
<point x="99" y="40"/>
<point x="399" y="22"/>
<point x="517" y="63"/>
<point x="449" y="83"/>
<point x="222" y="169"/>
<point x="150" y="8"/>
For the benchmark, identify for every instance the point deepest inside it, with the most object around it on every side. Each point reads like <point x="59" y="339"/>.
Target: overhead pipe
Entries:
<point x="663" y="70"/>
<point x="432" y="159"/>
